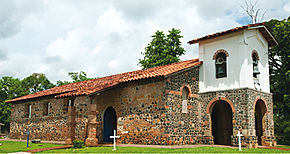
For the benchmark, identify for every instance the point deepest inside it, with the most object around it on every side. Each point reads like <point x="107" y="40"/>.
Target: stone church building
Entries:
<point x="199" y="101"/>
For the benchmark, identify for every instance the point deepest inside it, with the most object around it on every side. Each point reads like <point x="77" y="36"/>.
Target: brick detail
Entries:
<point x="260" y="98"/>
<point x="180" y="93"/>
<point x="71" y="125"/>
<point x="92" y="127"/>
<point x="220" y="51"/>
<point x="215" y="100"/>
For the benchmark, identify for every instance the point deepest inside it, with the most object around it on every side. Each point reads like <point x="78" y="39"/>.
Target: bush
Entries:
<point x="78" y="143"/>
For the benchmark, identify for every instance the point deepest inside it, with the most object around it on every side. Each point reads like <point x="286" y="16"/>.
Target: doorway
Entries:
<point x="222" y="127"/>
<point x="260" y="110"/>
<point x="110" y="124"/>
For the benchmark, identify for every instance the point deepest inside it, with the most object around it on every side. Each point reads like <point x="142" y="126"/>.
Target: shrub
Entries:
<point x="78" y="143"/>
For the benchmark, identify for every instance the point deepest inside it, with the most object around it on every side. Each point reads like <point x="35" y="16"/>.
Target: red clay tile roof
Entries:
<point x="95" y="85"/>
<point x="261" y="26"/>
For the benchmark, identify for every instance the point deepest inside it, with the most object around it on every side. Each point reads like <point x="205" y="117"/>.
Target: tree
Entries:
<point x="36" y="82"/>
<point x="279" y="63"/>
<point x="9" y="88"/>
<point x="76" y="77"/>
<point x="162" y="50"/>
<point x="253" y="12"/>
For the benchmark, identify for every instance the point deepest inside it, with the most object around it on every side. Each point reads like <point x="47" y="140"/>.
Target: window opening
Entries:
<point x="220" y="64"/>
<point x="256" y="71"/>
<point x="185" y="93"/>
<point x="46" y="108"/>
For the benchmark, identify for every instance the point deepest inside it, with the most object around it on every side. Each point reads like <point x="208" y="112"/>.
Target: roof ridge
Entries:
<point x="224" y="32"/>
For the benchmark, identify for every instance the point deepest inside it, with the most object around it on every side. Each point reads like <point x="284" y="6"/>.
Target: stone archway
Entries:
<point x="260" y="110"/>
<point x="110" y="124"/>
<point x="222" y="126"/>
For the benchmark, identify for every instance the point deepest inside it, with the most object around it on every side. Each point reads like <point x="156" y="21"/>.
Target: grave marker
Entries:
<point x="114" y="137"/>
<point x="239" y="135"/>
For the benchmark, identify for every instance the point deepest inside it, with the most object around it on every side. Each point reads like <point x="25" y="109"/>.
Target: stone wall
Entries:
<point x="182" y="128"/>
<point x="138" y="106"/>
<point x="242" y="102"/>
<point x="46" y="127"/>
<point x="51" y="127"/>
<point x="148" y="111"/>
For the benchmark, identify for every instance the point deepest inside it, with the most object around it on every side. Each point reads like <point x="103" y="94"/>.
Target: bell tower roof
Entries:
<point x="260" y="26"/>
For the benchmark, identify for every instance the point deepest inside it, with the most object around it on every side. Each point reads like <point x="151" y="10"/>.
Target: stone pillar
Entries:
<point x="92" y="127"/>
<point x="71" y="125"/>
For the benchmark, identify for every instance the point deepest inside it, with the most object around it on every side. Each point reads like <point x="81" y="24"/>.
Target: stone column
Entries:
<point x="71" y="124"/>
<point x="268" y="137"/>
<point x="92" y="127"/>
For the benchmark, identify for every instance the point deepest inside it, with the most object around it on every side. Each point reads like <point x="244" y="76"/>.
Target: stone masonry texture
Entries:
<point x="148" y="111"/>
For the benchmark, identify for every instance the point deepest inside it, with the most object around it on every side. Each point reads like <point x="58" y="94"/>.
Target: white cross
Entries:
<point x="114" y="137"/>
<point x="239" y="135"/>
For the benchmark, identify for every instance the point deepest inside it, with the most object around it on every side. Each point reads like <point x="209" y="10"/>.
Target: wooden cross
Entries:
<point x="114" y="137"/>
<point x="239" y="135"/>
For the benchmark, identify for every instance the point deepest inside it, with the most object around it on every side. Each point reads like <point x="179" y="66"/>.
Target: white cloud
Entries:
<point x="105" y="37"/>
<point x="111" y="22"/>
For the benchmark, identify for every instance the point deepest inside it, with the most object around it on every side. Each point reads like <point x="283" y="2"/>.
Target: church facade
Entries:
<point x="199" y="101"/>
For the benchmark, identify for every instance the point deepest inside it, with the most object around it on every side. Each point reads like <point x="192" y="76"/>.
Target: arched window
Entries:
<point x="255" y="59"/>
<point x="185" y="93"/>
<point x="221" y="65"/>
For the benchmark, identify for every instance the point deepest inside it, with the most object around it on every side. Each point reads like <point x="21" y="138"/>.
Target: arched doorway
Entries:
<point x="260" y="110"/>
<point x="222" y="127"/>
<point x="110" y="123"/>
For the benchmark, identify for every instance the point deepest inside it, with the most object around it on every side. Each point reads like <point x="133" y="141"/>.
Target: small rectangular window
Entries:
<point x="70" y="102"/>
<point x="28" y="111"/>
<point x="65" y="106"/>
<point x="46" y="106"/>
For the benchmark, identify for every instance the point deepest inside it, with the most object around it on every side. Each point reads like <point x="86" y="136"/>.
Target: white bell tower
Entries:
<point x="236" y="58"/>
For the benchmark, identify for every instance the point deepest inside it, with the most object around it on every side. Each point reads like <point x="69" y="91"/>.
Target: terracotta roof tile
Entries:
<point x="95" y="85"/>
<point x="261" y="26"/>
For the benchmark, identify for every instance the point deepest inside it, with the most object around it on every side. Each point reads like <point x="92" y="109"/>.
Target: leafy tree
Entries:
<point x="279" y="62"/>
<point x="36" y="82"/>
<point x="9" y="88"/>
<point x="76" y="77"/>
<point x="162" y="50"/>
<point x="12" y="87"/>
<point x="60" y="83"/>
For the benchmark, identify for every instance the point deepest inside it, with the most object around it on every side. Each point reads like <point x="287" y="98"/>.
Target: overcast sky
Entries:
<point x="106" y="37"/>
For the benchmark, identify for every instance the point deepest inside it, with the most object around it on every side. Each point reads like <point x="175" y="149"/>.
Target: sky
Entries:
<point x="105" y="37"/>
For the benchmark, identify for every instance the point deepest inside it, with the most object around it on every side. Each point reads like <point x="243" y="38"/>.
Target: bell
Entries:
<point x="256" y="70"/>
<point x="220" y="60"/>
<point x="220" y="71"/>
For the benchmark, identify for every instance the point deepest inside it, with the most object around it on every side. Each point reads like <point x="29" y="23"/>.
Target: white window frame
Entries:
<point x="29" y="111"/>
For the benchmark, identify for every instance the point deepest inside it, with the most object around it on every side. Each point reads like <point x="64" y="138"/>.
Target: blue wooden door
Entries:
<point x="110" y="123"/>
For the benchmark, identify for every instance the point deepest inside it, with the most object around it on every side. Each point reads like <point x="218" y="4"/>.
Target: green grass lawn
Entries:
<point x="163" y="150"/>
<point x="12" y="146"/>
<point x="284" y="146"/>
